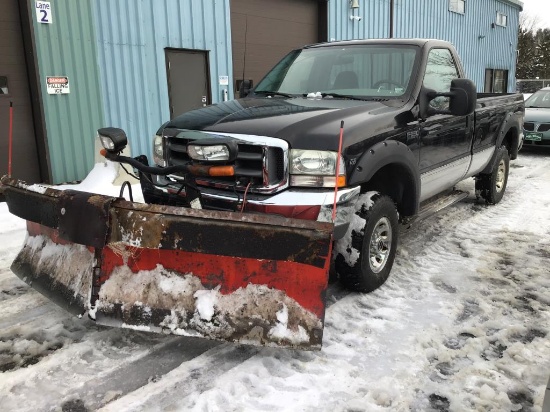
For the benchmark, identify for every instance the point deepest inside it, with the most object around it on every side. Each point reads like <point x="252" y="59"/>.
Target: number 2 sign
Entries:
<point x="43" y="12"/>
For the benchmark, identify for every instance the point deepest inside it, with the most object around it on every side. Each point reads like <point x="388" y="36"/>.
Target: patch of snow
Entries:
<point x="195" y="310"/>
<point x="344" y="245"/>
<point x="281" y="332"/>
<point x="37" y="188"/>
<point x="206" y="301"/>
<point x="142" y="328"/>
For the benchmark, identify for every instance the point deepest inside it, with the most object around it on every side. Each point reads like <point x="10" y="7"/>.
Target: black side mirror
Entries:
<point x="245" y="87"/>
<point x="462" y="99"/>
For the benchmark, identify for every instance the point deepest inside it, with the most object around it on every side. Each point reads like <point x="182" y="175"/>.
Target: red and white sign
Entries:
<point x="57" y="85"/>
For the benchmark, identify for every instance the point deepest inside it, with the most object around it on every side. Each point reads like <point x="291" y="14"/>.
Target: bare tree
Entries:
<point x="527" y="59"/>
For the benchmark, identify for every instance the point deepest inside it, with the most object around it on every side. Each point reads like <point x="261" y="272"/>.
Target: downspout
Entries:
<point x="392" y="10"/>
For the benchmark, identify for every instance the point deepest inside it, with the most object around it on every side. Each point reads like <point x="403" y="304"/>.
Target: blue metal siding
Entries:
<point x="132" y="36"/>
<point x="373" y="25"/>
<point x="479" y="45"/>
<point x="67" y="48"/>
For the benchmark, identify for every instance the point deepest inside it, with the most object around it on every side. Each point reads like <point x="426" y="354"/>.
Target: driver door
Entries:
<point x="444" y="139"/>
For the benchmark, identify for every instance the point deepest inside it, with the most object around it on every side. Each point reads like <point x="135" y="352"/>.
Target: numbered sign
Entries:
<point x="43" y="12"/>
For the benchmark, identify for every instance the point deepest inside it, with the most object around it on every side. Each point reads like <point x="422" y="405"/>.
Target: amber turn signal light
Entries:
<point x="217" y="171"/>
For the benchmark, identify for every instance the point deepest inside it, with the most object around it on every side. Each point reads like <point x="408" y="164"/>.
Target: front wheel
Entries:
<point x="364" y="257"/>
<point x="491" y="186"/>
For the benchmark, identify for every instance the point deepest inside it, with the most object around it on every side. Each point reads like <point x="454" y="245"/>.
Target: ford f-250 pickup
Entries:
<point x="383" y="129"/>
<point x="414" y="127"/>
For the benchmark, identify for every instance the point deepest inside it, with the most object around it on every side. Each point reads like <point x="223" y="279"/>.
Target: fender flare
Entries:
<point x="391" y="152"/>
<point x="508" y="123"/>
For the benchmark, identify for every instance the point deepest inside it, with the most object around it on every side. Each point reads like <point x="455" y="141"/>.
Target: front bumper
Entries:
<point x="295" y="203"/>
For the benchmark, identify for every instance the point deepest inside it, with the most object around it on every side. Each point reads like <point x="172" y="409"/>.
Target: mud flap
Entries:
<point x="247" y="278"/>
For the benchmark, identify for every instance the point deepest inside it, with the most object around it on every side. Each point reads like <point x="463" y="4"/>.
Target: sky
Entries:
<point x="462" y="324"/>
<point x="540" y="9"/>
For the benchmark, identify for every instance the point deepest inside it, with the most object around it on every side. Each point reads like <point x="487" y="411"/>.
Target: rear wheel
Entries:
<point x="492" y="186"/>
<point x="364" y="257"/>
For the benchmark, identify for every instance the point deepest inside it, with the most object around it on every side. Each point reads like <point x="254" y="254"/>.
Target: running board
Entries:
<point x="437" y="205"/>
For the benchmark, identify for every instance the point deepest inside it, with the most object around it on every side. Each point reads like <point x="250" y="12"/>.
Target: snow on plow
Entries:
<point x="248" y="278"/>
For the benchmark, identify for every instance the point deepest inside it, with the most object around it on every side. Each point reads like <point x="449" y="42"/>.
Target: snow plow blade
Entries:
<point x="249" y="278"/>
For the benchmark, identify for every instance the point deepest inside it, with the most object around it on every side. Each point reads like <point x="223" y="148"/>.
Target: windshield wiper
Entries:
<point x="340" y="96"/>
<point x="273" y="93"/>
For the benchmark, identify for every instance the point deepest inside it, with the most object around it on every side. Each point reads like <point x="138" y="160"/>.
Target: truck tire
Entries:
<point x="374" y="235"/>
<point x="491" y="186"/>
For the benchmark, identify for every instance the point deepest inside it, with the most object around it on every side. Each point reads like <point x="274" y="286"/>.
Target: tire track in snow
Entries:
<point x="512" y="280"/>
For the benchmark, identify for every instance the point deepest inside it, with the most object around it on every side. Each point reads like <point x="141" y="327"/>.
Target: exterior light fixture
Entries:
<point x="354" y="4"/>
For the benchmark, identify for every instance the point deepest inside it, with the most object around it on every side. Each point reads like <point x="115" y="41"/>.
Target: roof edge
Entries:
<point x="514" y="3"/>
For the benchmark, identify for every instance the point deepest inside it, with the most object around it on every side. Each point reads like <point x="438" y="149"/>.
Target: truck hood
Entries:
<point x="303" y="123"/>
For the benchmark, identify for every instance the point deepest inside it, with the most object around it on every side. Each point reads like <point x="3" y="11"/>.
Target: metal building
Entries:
<point x="70" y="67"/>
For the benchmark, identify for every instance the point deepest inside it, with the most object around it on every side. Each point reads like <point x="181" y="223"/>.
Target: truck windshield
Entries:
<point x="356" y="71"/>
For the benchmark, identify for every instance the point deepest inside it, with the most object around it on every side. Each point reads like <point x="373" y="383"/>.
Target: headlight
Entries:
<point x="209" y="153"/>
<point x="313" y="162"/>
<point x="158" y="150"/>
<point x="113" y="139"/>
<point x="315" y="168"/>
<point x="214" y="150"/>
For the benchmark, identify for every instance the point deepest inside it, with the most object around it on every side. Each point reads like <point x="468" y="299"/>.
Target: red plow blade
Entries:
<point x="246" y="278"/>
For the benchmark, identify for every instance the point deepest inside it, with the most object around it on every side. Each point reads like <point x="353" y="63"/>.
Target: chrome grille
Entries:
<point x="260" y="165"/>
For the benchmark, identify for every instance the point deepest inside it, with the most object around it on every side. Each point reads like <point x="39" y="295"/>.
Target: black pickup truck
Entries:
<point x="413" y="128"/>
<point x="238" y="230"/>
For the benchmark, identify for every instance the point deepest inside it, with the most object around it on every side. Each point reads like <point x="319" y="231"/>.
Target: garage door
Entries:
<point x="14" y="87"/>
<point x="268" y="30"/>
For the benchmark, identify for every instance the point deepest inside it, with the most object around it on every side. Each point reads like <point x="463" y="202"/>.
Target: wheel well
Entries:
<point x="511" y="142"/>
<point x="398" y="183"/>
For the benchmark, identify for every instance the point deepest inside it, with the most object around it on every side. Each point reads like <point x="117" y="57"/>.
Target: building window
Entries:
<point x="457" y="6"/>
<point x="502" y="19"/>
<point x="3" y="85"/>
<point x="496" y="81"/>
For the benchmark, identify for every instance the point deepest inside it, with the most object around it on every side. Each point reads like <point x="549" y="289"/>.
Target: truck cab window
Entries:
<point x="440" y="71"/>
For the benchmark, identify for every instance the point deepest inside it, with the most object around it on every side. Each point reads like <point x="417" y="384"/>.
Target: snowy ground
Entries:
<point x="462" y="324"/>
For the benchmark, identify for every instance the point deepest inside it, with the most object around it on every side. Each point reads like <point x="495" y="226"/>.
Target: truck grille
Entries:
<point x="530" y="127"/>
<point x="544" y="127"/>
<point x="261" y="165"/>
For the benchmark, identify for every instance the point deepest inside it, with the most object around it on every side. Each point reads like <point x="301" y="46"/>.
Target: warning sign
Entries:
<point x="57" y="85"/>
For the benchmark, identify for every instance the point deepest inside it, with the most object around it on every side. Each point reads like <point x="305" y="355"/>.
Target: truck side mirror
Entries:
<point x="462" y="99"/>
<point x="245" y="87"/>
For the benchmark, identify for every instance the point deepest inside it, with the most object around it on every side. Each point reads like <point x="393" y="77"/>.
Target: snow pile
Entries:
<point x="100" y="180"/>
<point x="190" y="309"/>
